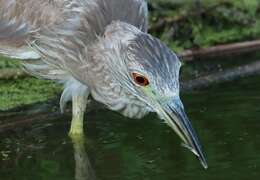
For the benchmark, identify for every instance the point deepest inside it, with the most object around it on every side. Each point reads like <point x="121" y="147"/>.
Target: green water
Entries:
<point x="226" y="117"/>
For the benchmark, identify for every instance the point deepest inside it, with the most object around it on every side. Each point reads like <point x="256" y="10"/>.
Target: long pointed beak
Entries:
<point x="177" y="119"/>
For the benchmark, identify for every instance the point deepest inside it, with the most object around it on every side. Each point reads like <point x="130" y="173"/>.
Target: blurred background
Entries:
<point x="218" y="42"/>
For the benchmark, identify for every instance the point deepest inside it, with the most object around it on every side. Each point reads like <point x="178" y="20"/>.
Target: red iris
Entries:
<point x="140" y="79"/>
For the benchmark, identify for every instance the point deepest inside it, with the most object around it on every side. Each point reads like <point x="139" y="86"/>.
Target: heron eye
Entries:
<point x="140" y="79"/>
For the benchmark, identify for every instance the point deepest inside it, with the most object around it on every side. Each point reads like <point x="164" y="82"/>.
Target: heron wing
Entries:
<point x="100" y="13"/>
<point x="134" y="12"/>
<point x="22" y="23"/>
<point x="20" y="20"/>
<point x="66" y="45"/>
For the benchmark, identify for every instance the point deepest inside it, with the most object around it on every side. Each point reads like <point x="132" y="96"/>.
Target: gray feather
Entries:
<point x="72" y="87"/>
<point x="22" y="20"/>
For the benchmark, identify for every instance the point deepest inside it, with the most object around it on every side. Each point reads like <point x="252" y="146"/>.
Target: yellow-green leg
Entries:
<point x="83" y="167"/>
<point x="79" y="104"/>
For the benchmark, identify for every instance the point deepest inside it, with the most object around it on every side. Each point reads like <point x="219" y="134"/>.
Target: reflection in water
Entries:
<point x="225" y="116"/>
<point x="83" y="168"/>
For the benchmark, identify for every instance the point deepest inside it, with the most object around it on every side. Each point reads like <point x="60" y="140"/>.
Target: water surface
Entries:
<point x="226" y="117"/>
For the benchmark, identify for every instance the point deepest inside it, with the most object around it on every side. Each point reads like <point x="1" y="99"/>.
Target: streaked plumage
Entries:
<point x="93" y="47"/>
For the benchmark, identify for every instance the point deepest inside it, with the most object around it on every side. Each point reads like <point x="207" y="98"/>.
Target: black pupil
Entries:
<point x="140" y="80"/>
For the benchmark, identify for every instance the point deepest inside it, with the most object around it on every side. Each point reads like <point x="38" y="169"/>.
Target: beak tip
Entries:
<point x="176" y="118"/>
<point x="200" y="157"/>
<point x="204" y="164"/>
<point x="203" y="161"/>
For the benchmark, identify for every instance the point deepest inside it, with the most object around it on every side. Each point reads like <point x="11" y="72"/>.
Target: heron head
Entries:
<point x="150" y="71"/>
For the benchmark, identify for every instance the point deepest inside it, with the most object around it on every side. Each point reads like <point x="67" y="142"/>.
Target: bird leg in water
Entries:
<point x="83" y="167"/>
<point x="79" y="104"/>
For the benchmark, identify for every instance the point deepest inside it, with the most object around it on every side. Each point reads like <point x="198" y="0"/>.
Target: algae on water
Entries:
<point x="25" y="91"/>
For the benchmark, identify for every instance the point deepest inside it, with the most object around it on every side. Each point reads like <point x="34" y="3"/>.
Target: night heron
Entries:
<point x="99" y="48"/>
